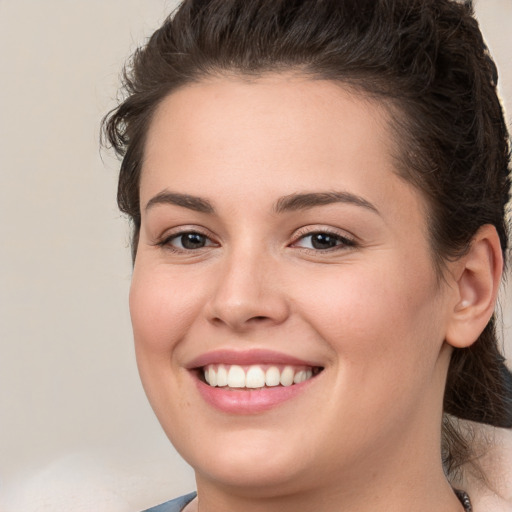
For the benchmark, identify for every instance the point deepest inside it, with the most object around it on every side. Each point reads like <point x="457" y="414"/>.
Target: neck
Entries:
<point x="441" y="499"/>
<point x="411" y="487"/>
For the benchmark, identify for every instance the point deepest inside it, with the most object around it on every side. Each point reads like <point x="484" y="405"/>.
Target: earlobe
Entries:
<point x="477" y="284"/>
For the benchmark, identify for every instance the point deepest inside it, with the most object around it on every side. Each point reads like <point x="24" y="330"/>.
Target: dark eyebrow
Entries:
<point x="197" y="204"/>
<point x="295" y="202"/>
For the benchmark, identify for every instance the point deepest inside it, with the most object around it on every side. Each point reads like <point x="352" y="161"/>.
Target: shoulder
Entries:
<point x="175" y="505"/>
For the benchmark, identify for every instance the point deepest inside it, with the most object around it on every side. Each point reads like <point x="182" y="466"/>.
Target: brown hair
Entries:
<point x="426" y="59"/>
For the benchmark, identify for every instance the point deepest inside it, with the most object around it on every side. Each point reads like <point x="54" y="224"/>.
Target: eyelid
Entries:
<point x="168" y="235"/>
<point x="347" y="239"/>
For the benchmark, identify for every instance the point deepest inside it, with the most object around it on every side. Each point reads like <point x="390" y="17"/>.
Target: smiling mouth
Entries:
<point x="256" y="376"/>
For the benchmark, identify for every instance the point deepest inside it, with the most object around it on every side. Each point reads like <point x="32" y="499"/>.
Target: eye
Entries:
<point x="187" y="241"/>
<point x="323" y="240"/>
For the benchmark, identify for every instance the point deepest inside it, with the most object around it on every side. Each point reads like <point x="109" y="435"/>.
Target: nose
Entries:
<point x="248" y="293"/>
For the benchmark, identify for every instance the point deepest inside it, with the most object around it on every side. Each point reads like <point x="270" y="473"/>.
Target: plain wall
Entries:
<point x="76" y="432"/>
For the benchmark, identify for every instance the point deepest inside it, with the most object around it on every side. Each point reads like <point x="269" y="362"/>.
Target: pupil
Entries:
<point x="323" y="241"/>
<point x="193" y="241"/>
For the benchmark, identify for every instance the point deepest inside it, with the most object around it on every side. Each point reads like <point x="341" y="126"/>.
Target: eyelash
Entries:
<point x="166" y="241"/>
<point x="342" y="242"/>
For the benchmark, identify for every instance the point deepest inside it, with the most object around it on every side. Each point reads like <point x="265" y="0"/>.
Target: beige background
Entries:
<point x="76" y="432"/>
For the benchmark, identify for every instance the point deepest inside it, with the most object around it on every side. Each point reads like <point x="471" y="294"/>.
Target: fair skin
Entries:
<point x="276" y="232"/>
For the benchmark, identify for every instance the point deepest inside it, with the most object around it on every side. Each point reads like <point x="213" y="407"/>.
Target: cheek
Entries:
<point x="370" y="317"/>
<point x="162" y="308"/>
<point x="161" y="317"/>
<point x="381" y="336"/>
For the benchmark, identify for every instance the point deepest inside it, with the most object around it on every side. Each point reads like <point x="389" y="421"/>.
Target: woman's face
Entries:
<point x="278" y="243"/>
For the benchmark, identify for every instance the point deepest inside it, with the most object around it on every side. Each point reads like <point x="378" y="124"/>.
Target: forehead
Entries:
<point x="286" y="104"/>
<point x="277" y="134"/>
<point x="235" y="118"/>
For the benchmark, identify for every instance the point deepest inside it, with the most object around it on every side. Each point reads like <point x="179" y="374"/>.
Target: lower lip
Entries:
<point x="249" y="401"/>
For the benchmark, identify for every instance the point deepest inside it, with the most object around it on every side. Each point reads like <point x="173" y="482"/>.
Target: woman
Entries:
<point x="318" y="193"/>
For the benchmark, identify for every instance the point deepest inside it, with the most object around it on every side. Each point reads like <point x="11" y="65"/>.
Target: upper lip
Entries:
<point x="247" y="357"/>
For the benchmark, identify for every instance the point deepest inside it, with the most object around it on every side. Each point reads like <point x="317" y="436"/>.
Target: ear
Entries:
<point x="478" y="277"/>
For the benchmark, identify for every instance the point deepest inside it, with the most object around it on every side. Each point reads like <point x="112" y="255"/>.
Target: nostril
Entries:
<point x="243" y="324"/>
<point x="259" y="319"/>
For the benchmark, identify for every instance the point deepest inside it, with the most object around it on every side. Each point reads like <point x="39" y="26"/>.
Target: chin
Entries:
<point x="251" y="480"/>
<point x="252" y="462"/>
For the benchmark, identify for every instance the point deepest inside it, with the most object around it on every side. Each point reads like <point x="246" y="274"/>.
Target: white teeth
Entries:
<point x="287" y="376"/>
<point x="255" y="376"/>
<point x="299" y="377"/>
<point x="222" y="376"/>
<point x="236" y="377"/>
<point x="273" y="376"/>
<point x="212" y="376"/>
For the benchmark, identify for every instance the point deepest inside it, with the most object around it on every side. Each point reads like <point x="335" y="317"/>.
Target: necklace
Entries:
<point x="464" y="499"/>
